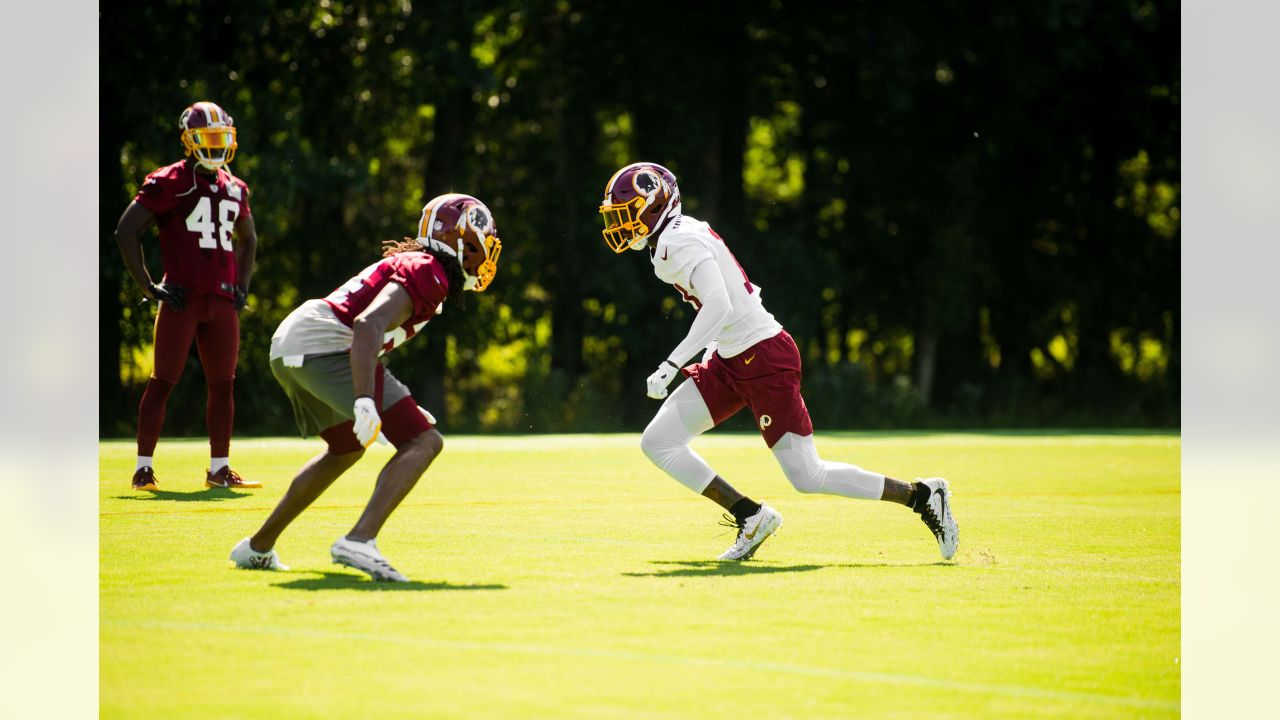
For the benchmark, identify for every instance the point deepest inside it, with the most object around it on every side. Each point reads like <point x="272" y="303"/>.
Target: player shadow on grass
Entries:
<point x="710" y="568"/>
<point x="896" y="565"/>
<point x="201" y="495"/>
<point x="345" y="581"/>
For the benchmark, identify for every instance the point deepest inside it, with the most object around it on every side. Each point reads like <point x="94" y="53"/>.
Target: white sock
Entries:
<point x="216" y="464"/>
<point x="142" y="462"/>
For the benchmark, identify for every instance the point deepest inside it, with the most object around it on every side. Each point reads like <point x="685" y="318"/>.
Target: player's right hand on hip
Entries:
<point x="367" y="422"/>
<point x="173" y="295"/>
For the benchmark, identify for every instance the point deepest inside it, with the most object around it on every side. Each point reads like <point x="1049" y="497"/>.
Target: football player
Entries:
<point x="326" y="357"/>
<point x="207" y="247"/>
<point x="749" y="360"/>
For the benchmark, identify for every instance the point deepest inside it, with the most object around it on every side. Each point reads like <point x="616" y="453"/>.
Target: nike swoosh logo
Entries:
<point x="748" y="360"/>
<point x="664" y="253"/>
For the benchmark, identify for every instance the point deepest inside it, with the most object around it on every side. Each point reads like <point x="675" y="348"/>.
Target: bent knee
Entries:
<point x="429" y="443"/>
<point x="346" y="458"/>
<point x="437" y="441"/>
<point x="654" y="446"/>
<point x="805" y="477"/>
<point x="649" y="440"/>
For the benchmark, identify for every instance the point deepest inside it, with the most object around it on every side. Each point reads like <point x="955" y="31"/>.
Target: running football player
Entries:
<point x="326" y="357"/>
<point x="749" y="360"/>
<point x="199" y="207"/>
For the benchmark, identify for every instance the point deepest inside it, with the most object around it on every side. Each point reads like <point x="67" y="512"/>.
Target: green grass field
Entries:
<point x="565" y="577"/>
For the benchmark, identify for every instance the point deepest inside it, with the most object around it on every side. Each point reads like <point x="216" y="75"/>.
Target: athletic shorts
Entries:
<point x="765" y="376"/>
<point x="322" y="397"/>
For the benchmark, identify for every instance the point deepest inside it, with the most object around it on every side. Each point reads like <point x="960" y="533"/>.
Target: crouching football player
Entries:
<point x="749" y="361"/>
<point x="325" y="356"/>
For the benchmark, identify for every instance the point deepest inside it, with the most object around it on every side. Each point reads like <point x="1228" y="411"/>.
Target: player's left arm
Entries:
<point x="390" y="308"/>
<point x="246" y="251"/>
<point x="708" y="284"/>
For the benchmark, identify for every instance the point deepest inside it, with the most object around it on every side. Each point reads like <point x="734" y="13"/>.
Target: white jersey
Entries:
<point x="685" y="244"/>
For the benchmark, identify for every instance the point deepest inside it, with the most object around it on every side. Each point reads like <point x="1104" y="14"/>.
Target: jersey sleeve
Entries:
<point x="676" y="257"/>
<point x="238" y="191"/>
<point x="241" y="194"/>
<point x="157" y="192"/>
<point x="424" y="280"/>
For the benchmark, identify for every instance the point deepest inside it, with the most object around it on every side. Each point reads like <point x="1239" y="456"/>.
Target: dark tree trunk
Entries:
<point x="111" y="415"/>
<point x="926" y="363"/>
<point x="446" y="160"/>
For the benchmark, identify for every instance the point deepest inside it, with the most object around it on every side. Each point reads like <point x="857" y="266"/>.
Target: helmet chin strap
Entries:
<point x="468" y="280"/>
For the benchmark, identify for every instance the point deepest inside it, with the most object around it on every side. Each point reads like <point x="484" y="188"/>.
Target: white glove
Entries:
<point x="661" y="378"/>
<point x="711" y="350"/>
<point x="367" y="422"/>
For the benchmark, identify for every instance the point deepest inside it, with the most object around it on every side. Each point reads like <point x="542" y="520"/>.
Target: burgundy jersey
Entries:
<point x="417" y="272"/>
<point x="196" y="215"/>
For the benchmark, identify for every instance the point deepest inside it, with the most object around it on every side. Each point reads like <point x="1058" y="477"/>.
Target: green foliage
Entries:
<point x="988" y="205"/>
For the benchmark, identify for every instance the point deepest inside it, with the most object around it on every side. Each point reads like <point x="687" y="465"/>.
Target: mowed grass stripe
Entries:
<point x="694" y="661"/>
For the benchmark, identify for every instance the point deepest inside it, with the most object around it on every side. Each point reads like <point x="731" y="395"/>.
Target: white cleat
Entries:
<point x="752" y="532"/>
<point x="364" y="556"/>
<point x="246" y="558"/>
<point x="935" y="511"/>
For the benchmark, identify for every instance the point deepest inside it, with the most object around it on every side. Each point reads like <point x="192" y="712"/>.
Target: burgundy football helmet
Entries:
<point x="461" y="226"/>
<point x="208" y="133"/>
<point x="638" y="199"/>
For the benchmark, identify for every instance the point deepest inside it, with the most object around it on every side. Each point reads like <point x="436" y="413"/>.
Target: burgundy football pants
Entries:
<point x="212" y="321"/>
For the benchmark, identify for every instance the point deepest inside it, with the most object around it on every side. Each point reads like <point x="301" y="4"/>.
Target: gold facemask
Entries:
<point x="489" y="268"/>
<point x="212" y="146"/>
<point x="623" y="228"/>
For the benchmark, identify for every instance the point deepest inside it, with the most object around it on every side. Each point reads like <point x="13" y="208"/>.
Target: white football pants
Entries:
<point x="682" y="417"/>
<point x="685" y="416"/>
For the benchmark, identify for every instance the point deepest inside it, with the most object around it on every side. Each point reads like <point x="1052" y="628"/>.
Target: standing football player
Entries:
<point x="325" y="356"/>
<point x="749" y="360"/>
<point x="198" y="207"/>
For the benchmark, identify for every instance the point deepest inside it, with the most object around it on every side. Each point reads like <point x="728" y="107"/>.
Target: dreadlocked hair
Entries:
<point x="452" y="265"/>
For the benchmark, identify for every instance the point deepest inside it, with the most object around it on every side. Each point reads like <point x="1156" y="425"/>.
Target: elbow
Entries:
<point x="363" y="331"/>
<point x="723" y="311"/>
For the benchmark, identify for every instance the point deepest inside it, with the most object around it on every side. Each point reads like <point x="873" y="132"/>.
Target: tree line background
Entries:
<point x="967" y="214"/>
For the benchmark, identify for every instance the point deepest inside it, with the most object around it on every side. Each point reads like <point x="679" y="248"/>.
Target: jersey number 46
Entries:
<point x="201" y="221"/>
